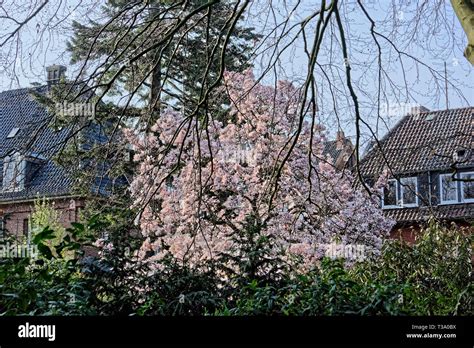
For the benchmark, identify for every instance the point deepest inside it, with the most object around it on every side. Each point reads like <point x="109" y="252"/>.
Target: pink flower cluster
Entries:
<point x="195" y="197"/>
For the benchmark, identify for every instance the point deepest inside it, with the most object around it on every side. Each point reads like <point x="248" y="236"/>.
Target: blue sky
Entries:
<point x="433" y="44"/>
<point x="439" y="39"/>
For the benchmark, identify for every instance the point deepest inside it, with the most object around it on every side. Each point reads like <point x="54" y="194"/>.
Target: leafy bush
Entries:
<point x="430" y="277"/>
<point x="45" y="215"/>
<point x="328" y="290"/>
<point x="46" y="283"/>
<point x="438" y="268"/>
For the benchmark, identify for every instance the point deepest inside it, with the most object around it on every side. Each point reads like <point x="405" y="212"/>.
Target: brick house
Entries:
<point x="430" y="159"/>
<point x="341" y="151"/>
<point x="28" y="145"/>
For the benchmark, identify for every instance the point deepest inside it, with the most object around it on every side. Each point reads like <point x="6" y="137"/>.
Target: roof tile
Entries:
<point x="422" y="142"/>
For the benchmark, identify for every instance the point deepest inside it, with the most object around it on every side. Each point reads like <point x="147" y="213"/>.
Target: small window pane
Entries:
<point x="169" y="185"/>
<point x="8" y="173"/>
<point x="448" y="189"/>
<point x="390" y="193"/>
<point x="13" y="173"/>
<point x="13" y="133"/>
<point x="409" y="190"/>
<point x="26" y="227"/>
<point x="468" y="186"/>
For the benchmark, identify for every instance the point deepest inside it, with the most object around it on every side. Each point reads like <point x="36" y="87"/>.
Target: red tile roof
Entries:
<point x="422" y="142"/>
<point x="463" y="212"/>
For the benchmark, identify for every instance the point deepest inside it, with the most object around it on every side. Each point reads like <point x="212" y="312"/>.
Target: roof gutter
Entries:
<point x="2" y="203"/>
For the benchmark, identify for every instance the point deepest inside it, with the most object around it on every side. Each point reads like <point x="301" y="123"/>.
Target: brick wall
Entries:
<point x="15" y="215"/>
<point x="407" y="234"/>
<point x="410" y="233"/>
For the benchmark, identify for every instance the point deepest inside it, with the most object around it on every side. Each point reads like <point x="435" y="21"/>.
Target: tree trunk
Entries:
<point x="465" y="11"/>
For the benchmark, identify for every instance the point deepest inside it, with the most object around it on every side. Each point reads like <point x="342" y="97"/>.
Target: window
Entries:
<point x="26" y="227"/>
<point x="13" y="173"/>
<point x="2" y="224"/>
<point x="467" y="187"/>
<point x="401" y="193"/>
<point x="390" y="194"/>
<point x="460" y="155"/>
<point x="409" y="192"/>
<point x="13" y="133"/>
<point x="169" y="185"/>
<point x="448" y="188"/>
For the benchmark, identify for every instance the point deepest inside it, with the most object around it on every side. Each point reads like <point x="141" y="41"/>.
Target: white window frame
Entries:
<point x="397" y="198"/>
<point x="402" y="188"/>
<point x="441" y="200"/>
<point x="465" y="200"/>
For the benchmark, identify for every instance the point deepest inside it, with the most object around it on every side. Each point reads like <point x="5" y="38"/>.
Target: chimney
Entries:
<point x="345" y="158"/>
<point x="418" y="110"/>
<point x="340" y="140"/>
<point x="54" y="73"/>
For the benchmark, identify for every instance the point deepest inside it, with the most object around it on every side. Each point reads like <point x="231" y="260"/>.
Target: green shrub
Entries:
<point x="46" y="283"/>
<point x="329" y="290"/>
<point x="430" y="277"/>
<point x="437" y="269"/>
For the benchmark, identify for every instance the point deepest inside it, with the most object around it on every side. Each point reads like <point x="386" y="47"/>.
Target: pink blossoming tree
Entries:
<point x="202" y="184"/>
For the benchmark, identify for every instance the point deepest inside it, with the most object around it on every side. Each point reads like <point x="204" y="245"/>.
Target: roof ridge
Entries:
<point x="404" y="118"/>
<point x="430" y="140"/>
<point x="447" y="110"/>
<point x="22" y="89"/>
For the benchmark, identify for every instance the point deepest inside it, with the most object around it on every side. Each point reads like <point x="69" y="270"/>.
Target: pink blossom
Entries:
<point x="208" y="199"/>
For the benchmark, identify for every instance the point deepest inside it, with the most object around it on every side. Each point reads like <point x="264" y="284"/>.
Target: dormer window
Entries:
<point x="13" y="133"/>
<point x="409" y="192"/>
<point x="467" y="187"/>
<point x="461" y="155"/>
<point x="448" y="188"/>
<point x="401" y="193"/>
<point x="13" y="173"/>
<point x="390" y="194"/>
